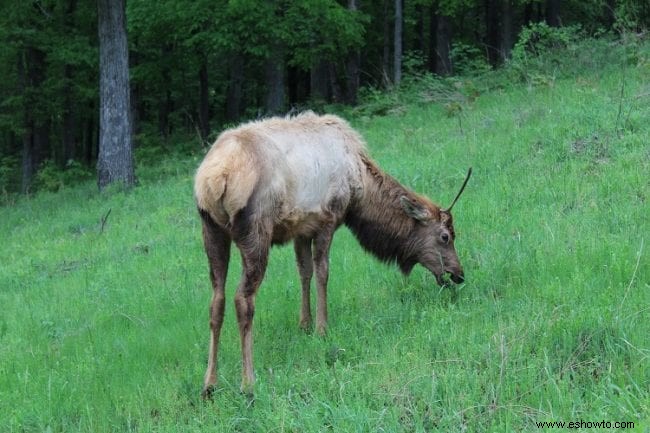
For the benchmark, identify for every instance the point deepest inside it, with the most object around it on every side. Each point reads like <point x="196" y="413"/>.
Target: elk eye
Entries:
<point x="444" y="237"/>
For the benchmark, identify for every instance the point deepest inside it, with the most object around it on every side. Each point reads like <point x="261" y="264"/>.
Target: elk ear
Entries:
<point x="414" y="209"/>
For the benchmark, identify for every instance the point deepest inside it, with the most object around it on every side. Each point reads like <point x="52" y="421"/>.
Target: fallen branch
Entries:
<point x="103" y="221"/>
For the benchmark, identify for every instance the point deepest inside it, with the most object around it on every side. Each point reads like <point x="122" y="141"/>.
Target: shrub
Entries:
<point x="9" y="174"/>
<point x="50" y="177"/>
<point x="541" y="50"/>
<point x="468" y="60"/>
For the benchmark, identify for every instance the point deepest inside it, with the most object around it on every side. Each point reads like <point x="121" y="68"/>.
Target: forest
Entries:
<point x="196" y="66"/>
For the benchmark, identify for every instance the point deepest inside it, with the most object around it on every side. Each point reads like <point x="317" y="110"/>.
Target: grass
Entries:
<point x="107" y="330"/>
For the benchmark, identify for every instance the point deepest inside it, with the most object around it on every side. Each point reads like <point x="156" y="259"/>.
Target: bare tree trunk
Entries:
<point x="385" y="61"/>
<point x="204" y="100"/>
<point x="336" y="92"/>
<point x="443" y="45"/>
<point x="319" y="81"/>
<point x="69" y="124"/>
<point x="115" y="161"/>
<point x="90" y="138"/>
<point x="553" y="13"/>
<point x="492" y="39"/>
<point x="528" y="13"/>
<point x="432" y="54"/>
<point x="27" y="166"/>
<point x="275" y="93"/>
<point x="165" y="105"/>
<point x="352" y="66"/>
<point x="506" y="29"/>
<point x="31" y="75"/>
<point x="397" y="51"/>
<point x="298" y="81"/>
<point x="418" y="44"/>
<point x="234" y="93"/>
<point x="609" y="13"/>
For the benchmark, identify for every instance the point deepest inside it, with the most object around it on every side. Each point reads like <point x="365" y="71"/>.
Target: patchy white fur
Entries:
<point x="291" y="169"/>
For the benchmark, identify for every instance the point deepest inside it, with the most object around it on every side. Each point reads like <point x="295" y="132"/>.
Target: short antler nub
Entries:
<point x="469" y="173"/>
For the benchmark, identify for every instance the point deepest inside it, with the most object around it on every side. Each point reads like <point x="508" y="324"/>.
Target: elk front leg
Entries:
<point x="302" y="247"/>
<point x="254" y="263"/>
<point x="217" y="248"/>
<point x="322" y="243"/>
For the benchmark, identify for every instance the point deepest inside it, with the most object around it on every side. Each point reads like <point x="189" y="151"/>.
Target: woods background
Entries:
<point x="196" y="66"/>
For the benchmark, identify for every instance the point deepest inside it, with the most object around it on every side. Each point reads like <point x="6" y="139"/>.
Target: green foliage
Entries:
<point x="540" y="40"/>
<point x="48" y="60"/>
<point x="321" y="30"/>
<point x="50" y="177"/>
<point x="468" y="60"/>
<point x="451" y="94"/>
<point x="9" y="174"/>
<point x="632" y="15"/>
<point x="543" y="54"/>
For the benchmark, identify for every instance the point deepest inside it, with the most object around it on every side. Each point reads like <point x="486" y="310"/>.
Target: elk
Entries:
<point x="299" y="178"/>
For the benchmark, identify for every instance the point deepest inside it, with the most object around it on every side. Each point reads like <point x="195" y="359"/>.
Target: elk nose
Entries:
<point x="458" y="278"/>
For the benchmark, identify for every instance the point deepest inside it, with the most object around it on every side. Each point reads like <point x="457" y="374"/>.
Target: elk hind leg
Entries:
<point x="217" y="247"/>
<point x="254" y="263"/>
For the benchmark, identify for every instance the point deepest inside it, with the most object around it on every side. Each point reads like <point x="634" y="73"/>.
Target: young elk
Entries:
<point x="300" y="178"/>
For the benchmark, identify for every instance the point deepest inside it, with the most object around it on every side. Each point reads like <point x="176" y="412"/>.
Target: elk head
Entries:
<point x="433" y="238"/>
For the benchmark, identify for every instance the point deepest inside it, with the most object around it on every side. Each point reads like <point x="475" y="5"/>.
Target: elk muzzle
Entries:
<point x="457" y="277"/>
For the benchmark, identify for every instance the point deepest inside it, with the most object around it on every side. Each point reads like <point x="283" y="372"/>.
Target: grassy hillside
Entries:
<point x="104" y="328"/>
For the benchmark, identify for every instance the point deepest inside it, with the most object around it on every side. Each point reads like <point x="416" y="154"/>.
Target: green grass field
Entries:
<point x="107" y="331"/>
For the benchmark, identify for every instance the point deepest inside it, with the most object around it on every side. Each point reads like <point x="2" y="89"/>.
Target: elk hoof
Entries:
<point x="305" y="325"/>
<point x="247" y="391"/>
<point x="207" y="392"/>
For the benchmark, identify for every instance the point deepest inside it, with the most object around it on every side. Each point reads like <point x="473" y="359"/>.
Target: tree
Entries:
<point x="115" y="161"/>
<point x="506" y="29"/>
<point x="440" y="38"/>
<point x="274" y="78"/>
<point x="352" y="66"/>
<point x="195" y="63"/>
<point x="397" y="53"/>
<point x="553" y="13"/>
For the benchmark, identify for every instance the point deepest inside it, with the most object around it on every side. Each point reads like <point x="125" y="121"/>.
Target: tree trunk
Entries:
<point x="418" y="44"/>
<point x="397" y="50"/>
<point x="492" y="39"/>
<point x="165" y="105"/>
<point x="275" y="93"/>
<point x="318" y="81"/>
<point x="352" y="67"/>
<point x="443" y="44"/>
<point x="69" y="124"/>
<point x="90" y="138"/>
<point x="528" y="13"/>
<point x="234" y="93"/>
<point x="204" y="100"/>
<point x="298" y="85"/>
<point x="385" y="61"/>
<point x="553" y="13"/>
<point x="115" y="161"/>
<point x="337" y="93"/>
<point x="609" y="13"/>
<point x="507" y="39"/>
<point x="138" y="107"/>
<point x="432" y="54"/>
<point x="31" y="75"/>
